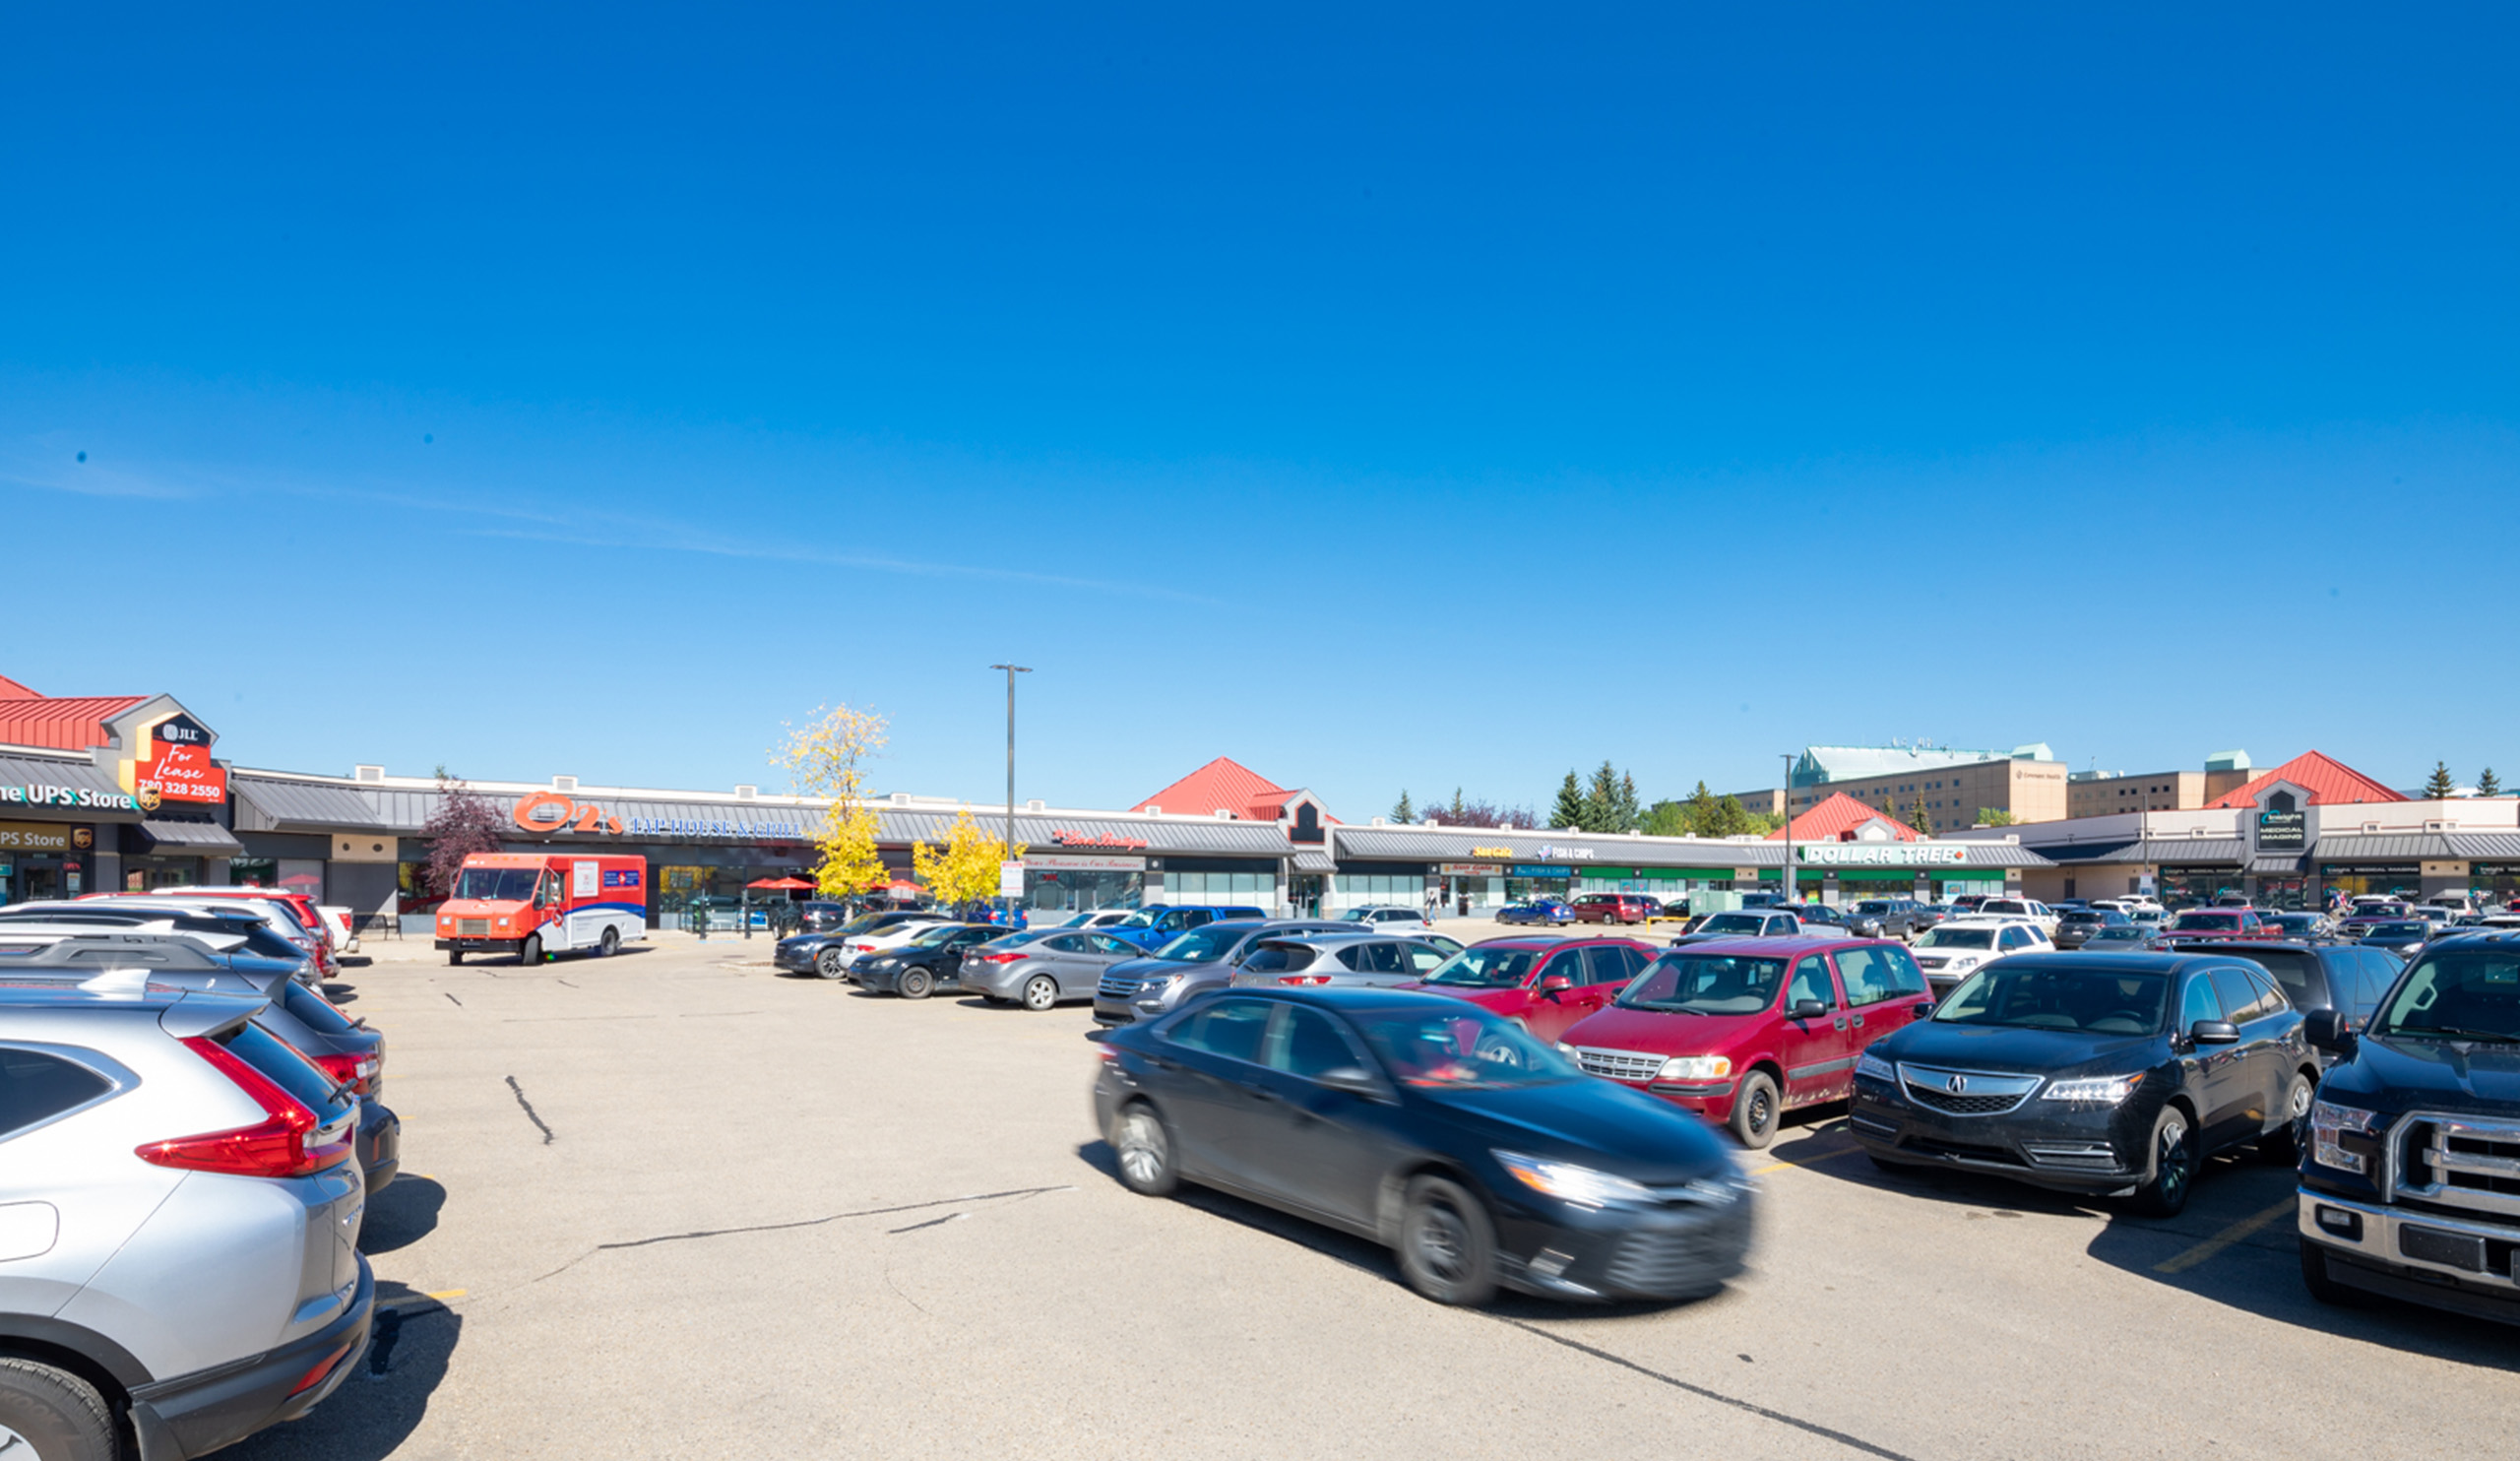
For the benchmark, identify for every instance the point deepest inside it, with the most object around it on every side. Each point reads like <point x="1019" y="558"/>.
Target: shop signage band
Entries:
<point x="1548" y="853"/>
<point x="39" y="837"/>
<point x="1099" y="840"/>
<point x="38" y="793"/>
<point x="1065" y="862"/>
<point x="1469" y="869"/>
<point x="547" y="812"/>
<point x="1879" y="855"/>
<point x="2283" y="830"/>
<point x="1492" y="852"/>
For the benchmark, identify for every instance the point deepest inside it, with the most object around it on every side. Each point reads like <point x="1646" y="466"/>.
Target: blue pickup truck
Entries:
<point x="1157" y="924"/>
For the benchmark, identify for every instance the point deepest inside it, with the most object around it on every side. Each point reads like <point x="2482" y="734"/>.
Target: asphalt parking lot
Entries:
<point x="674" y="1204"/>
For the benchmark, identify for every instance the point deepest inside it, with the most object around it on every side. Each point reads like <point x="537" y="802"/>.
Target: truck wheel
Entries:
<point x="453" y="956"/>
<point x="916" y="983"/>
<point x="530" y="951"/>
<point x="611" y="945"/>
<point x="57" y="1414"/>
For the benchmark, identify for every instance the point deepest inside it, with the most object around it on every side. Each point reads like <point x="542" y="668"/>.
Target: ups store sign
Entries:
<point x="43" y="837"/>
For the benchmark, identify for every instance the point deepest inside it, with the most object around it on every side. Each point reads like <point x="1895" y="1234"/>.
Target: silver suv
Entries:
<point x="179" y="1219"/>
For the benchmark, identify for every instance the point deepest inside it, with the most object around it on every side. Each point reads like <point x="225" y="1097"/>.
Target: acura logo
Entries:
<point x="1956" y="1084"/>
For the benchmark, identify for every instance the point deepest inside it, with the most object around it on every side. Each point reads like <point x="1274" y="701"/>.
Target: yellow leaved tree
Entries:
<point x="826" y="758"/>
<point x="965" y="869"/>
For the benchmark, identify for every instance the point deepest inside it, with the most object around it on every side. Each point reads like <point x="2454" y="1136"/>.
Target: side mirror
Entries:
<point x="2214" y="1032"/>
<point x="1809" y="1009"/>
<point x="1355" y="1080"/>
<point x="1554" y="985"/>
<point x="2329" y="1030"/>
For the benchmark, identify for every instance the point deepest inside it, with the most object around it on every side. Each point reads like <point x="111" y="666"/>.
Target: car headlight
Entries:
<point x="1962" y="961"/>
<point x="1869" y="1066"/>
<point x="1568" y="1182"/>
<point x="2106" y="1090"/>
<point x="2328" y="1124"/>
<point x="1695" y="1068"/>
<point x="1567" y="1049"/>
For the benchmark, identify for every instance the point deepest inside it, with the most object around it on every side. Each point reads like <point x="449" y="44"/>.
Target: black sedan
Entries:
<point x="2080" y="925"/>
<point x="2405" y="937"/>
<point x="931" y="960"/>
<point x="2091" y="1073"/>
<point x="1477" y="1154"/>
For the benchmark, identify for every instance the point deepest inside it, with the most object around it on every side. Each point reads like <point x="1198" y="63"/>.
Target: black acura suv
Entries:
<point x="2101" y="1073"/>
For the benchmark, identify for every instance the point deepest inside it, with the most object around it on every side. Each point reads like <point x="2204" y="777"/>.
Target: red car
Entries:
<point x="1543" y="985"/>
<point x="1743" y="1030"/>
<point x="1613" y="908"/>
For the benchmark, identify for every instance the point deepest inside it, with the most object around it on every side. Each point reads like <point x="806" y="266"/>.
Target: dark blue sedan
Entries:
<point x="1479" y="1155"/>
<point x="1545" y="911"/>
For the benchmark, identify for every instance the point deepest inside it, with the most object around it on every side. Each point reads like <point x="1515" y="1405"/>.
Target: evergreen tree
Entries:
<point x="2487" y="785"/>
<point x="1702" y="814"/>
<point x="1601" y="801"/>
<point x="1732" y="819"/>
<point x="1666" y="819"/>
<point x="2441" y="786"/>
<point x="1456" y="819"/>
<point x="1568" y="813"/>
<point x="1401" y="811"/>
<point x="1918" y="817"/>
<point x="1631" y="811"/>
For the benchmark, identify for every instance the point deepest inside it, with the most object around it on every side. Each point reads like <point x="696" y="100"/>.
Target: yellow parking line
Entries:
<point x="1803" y="1162"/>
<point x="2225" y="1239"/>
<point x="450" y="1294"/>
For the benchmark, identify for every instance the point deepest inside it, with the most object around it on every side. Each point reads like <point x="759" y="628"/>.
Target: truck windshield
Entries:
<point x="497" y="884"/>
<point x="2457" y="994"/>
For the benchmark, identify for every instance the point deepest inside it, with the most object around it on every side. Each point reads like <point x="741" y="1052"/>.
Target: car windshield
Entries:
<point x="497" y="884"/>
<point x="2395" y="930"/>
<point x="1732" y="923"/>
<point x="2043" y="996"/>
<point x="2120" y="935"/>
<point x="1484" y="969"/>
<point x="1203" y="945"/>
<point x="2204" y="922"/>
<point x="1944" y="937"/>
<point x="1873" y="908"/>
<point x="929" y="938"/>
<point x="1705" y="984"/>
<point x="2079" y="915"/>
<point x="2458" y="993"/>
<point x="1460" y="1049"/>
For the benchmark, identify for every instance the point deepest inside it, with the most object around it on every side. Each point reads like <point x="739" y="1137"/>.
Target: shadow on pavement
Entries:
<point x="373" y="1412"/>
<point x="402" y="1215"/>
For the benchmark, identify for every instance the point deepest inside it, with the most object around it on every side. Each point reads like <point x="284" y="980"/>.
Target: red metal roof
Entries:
<point x="61" y="723"/>
<point x="1842" y="814"/>
<point x="2330" y="783"/>
<point x="1227" y="785"/>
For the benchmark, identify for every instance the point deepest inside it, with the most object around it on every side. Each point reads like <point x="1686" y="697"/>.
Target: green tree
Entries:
<point x="1731" y="819"/>
<point x="1918" y="817"/>
<point x="2441" y="786"/>
<point x="1568" y="813"/>
<point x="1601" y="802"/>
<point x="2487" y="785"/>
<point x="1631" y="811"/>
<point x="825" y="759"/>
<point x="1667" y="819"/>
<point x="1761" y="822"/>
<point x="1401" y="811"/>
<point x="1455" y="819"/>
<point x="1702" y="811"/>
<point x="1989" y="816"/>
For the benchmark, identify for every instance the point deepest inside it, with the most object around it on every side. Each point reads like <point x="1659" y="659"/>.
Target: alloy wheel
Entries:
<point x="1142" y="1151"/>
<point x="2172" y="1158"/>
<point x="1040" y="991"/>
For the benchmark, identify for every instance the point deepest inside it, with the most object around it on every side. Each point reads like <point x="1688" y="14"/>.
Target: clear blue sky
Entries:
<point x="1415" y="397"/>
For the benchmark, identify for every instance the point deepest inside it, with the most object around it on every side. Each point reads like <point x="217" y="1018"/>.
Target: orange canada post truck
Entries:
<point x="533" y="904"/>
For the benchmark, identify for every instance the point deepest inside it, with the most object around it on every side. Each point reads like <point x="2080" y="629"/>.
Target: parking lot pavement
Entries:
<point x="674" y="1204"/>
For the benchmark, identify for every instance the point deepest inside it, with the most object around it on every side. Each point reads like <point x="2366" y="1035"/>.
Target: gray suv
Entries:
<point x="179" y="1219"/>
<point x="1197" y="961"/>
<point x="1367" y="961"/>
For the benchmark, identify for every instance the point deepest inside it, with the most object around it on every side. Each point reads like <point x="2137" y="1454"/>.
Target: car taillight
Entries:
<point x="276" y="1146"/>
<point x="1304" y="979"/>
<point x="997" y="958"/>
<point x="359" y="1072"/>
<point x="323" y="1368"/>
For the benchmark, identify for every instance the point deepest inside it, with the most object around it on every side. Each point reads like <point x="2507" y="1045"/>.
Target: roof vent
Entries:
<point x="901" y="799"/>
<point x="1379" y="822"/>
<point x="2370" y="826"/>
<point x="564" y="784"/>
<point x="367" y="773"/>
<point x="746" y="793"/>
<point x="1154" y="810"/>
<point x="1433" y="822"/>
<point x="2436" y="826"/>
<point x="1228" y="815"/>
<point x="1036" y="804"/>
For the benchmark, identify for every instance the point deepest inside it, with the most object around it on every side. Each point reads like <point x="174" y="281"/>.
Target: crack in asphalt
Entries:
<point x="931" y="1222"/>
<point x="1702" y="1392"/>
<point x="1015" y="1193"/>
<point x="530" y="1113"/>
<point x="458" y="1003"/>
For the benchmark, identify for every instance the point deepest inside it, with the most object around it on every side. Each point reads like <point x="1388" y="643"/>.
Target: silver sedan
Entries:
<point x="1040" y="970"/>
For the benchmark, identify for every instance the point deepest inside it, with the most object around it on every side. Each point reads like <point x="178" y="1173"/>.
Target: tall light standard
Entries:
<point x="1012" y="671"/>
<point x="1792" y="885"/>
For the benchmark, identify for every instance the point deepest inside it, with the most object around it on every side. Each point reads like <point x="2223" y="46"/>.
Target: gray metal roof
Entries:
<point x="80" y="775"/>
<point x="2274" y="862"/>
<point x="272" y="804"/>
<point x="1313" y="859"/>
<point x="2172" y="850"/>
<point x="1589" y="849"/>
<point x="191" y="839"/>
<point x="2384" y="848"/>
<point x="2486" y="847"/>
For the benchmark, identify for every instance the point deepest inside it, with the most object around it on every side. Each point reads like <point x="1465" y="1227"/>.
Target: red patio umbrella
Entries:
<point x="784" y="884"/>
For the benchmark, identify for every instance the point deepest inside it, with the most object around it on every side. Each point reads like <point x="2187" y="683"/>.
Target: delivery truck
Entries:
<point x="534" y="905"/>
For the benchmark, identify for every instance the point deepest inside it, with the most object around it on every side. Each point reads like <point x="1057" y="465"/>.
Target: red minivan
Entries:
<point x="1543" y="985"/>
<point x="1613" y="908"/>
<point x="1743" y="1030"/>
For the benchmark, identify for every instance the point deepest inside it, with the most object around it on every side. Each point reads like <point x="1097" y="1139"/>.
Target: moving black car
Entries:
<point x="2091" y="1073"/>
<point x="1479" y="1155"/>
<point x="2407" y="1186"/>
<point x="931" y="960"/>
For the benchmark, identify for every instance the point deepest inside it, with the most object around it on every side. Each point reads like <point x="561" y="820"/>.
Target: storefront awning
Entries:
<point x="190" y="839"/>
<point x="45" y="789"/>
<point x="2272" y="862"/>
<point x="1311" y="860"/>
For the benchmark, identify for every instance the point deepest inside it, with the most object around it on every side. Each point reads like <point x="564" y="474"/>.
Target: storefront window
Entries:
<point x="2191" y="887"/>
<point x="2359" y="878"/>
<point x="1260" y="888"/>
<point x="1069" y="890"/>
<point x="253" y="872"/>
<point x="302" y="875"/>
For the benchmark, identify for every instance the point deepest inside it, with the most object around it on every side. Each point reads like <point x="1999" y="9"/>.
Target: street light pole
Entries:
<point x="1792" y="885"/>
<point x="1012" y="671"/>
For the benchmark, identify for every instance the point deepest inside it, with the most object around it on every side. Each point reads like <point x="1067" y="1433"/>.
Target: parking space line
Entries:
<point x="2225" y="1239"/>
<point x="447" y="1293"/>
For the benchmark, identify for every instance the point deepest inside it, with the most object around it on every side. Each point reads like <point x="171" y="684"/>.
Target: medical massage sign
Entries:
<point x="172" y="763"/>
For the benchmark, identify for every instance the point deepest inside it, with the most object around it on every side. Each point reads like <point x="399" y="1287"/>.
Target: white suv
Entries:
<point x="1954" y="949"/>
